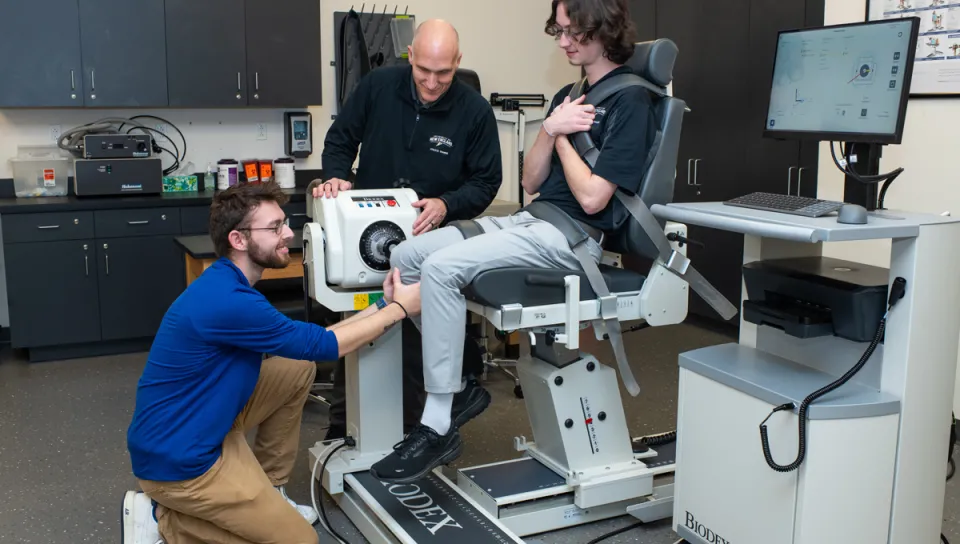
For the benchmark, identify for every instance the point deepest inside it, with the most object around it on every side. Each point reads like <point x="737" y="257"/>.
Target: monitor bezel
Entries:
<point x="853" y="137"/>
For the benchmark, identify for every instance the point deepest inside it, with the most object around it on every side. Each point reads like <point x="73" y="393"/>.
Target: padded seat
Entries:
<point x="539" y="286"/>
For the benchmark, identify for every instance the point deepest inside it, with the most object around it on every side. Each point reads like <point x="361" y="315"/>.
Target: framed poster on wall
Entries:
<point x="936" y="70"/>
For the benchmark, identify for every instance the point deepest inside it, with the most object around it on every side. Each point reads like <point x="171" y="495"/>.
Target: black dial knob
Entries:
<point x="377" y="243"/>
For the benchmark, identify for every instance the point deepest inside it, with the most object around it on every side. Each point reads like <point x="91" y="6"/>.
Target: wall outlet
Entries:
<point x="261" y="131"/>
<point x="164" y="131"/>
<point x="55" y="133"/>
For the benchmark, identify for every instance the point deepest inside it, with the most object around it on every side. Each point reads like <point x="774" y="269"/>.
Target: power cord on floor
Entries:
<point x="944" y="539"/>
<point x="316" y="490"/>
<point x="615" y="533"/>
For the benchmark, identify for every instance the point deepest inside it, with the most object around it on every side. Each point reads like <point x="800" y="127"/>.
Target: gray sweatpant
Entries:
<point x="444" y="263"/>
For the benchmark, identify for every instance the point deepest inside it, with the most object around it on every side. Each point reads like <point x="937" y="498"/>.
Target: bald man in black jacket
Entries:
<point x="418" y="126"/>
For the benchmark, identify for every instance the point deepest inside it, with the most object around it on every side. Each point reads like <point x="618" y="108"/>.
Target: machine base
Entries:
<point x="430" y="510"/>
<point x="529" y="498"/>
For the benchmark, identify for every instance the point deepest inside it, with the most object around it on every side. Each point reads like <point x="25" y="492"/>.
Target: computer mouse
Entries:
<point x="852" y="214"/>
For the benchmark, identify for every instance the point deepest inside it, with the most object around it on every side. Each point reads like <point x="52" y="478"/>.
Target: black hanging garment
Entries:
<point x="354" y="60"/>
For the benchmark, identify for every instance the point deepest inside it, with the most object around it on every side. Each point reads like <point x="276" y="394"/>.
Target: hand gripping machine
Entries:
<point x="581" y="465"/>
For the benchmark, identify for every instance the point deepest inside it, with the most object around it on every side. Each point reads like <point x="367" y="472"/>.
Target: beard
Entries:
<point x="270" y="257"/>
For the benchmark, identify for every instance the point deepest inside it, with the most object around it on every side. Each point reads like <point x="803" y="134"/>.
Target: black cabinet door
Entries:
<point x="139" y="278"/>
<point x="711" y="73"/>
<point x="124" y="53"/>
<point x="40" y="53"/>
<point x="678" y="21"/>
<point x="283" y="53"/>
<point x="643" y="13"/>
<point x="206" y="55"/>
<point x="774" y="165"/>
<point x="52" y="289"/>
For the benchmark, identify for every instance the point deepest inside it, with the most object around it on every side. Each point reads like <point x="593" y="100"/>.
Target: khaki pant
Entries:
<point x="235" y="502"/>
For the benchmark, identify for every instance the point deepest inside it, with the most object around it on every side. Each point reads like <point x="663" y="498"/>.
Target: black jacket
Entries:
<point x="448" y="150"/>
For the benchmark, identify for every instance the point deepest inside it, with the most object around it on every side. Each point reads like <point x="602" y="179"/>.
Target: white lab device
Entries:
<point x="361" y="228"/>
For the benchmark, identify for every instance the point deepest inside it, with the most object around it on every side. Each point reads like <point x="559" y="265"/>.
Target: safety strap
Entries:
<point x="467" y="227"/>
<point x="577" y="239"/>
<point x="676" y="262"/>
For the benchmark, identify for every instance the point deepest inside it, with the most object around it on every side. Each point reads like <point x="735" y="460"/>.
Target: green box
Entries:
<point x="180" y="184"/>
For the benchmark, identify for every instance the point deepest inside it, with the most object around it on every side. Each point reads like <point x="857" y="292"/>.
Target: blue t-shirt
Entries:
<point x="203" y="367"/>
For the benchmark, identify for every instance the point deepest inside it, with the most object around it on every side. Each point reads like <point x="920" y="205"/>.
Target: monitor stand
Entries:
<point x="868" y="164"/>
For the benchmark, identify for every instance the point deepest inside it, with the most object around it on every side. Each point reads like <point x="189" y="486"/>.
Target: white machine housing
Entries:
<point x="348" y="217"/>
<point x="875" y="467"/>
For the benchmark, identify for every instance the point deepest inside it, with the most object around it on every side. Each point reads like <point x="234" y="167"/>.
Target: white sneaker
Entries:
<point x="307" y="512"/>
<point x="139" y="526"/>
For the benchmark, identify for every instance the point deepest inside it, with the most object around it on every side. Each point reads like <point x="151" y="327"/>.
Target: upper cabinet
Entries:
<point x="124" y="52"/>
<point x="283" y="52"/>
<point x="160" y="53"/>
<point x="40" y="60"/>
<point x="206" y="56"/>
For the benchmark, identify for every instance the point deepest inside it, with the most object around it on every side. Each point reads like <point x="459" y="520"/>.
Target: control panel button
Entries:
<point x="391" y="203"/>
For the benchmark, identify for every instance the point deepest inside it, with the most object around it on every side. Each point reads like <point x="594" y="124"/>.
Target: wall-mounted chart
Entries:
<point x="936" y="70"/>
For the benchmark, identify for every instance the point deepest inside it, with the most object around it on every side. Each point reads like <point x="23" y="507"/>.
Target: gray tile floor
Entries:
<point x="64" y="465"/>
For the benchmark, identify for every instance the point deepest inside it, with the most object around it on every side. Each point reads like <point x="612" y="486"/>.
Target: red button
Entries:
<point x="391" y="203"/>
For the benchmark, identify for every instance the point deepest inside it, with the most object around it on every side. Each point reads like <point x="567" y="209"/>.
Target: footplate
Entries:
<point x="430" y="510"/>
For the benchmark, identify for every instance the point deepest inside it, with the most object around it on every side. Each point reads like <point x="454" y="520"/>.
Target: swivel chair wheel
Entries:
<point x="518" y="391"/>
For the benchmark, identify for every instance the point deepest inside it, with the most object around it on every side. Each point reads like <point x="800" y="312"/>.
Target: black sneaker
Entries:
<point x="469" y="403"/>
<point x="420" y="452"/>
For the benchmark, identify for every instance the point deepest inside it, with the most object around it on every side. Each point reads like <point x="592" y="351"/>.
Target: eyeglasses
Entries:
<point x="557" y="31"/>
<point x="277" y="230"/>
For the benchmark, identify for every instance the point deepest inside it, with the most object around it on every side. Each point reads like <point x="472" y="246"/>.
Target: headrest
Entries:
<point x="469" y="77"/>
<point x="654" y="61"/>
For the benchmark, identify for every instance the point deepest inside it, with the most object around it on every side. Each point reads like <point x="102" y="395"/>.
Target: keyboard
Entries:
<point x="790" y="204"/>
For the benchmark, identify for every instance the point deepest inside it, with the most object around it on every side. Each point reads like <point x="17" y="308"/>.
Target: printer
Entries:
<point x="806" y="297"/>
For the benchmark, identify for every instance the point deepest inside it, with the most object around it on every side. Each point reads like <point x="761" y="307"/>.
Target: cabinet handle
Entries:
<point x="256" y="90"/>
<point x="696" y="172"/>
<point x="73" y="81"/>
<point x="790" y="178"/>
<point x="138" y="222"/>
<point x="238" y="85"/>
<point x="799" y="180"/>
<point x="86" y="264"/>
<point x="298" y="215"/>
<point x="106" y="259"/>
<point x="47" y="227"/>
<point x="689" y="170"/>
<point x="93" y="84"/>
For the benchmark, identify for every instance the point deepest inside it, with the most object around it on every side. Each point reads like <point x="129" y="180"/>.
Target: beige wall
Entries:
<point x="529" y="64"/>
<point x="930" y="181"/>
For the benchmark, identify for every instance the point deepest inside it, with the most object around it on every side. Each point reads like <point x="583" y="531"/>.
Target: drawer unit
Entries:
<point x="47" y="227"/>
<point x="195" y="220"/>
<point x="137" y="222"/>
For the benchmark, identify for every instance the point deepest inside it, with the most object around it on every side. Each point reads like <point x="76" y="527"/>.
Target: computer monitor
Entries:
<point x="843" y="83"/>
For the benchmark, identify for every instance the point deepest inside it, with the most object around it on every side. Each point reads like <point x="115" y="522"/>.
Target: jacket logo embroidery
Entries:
<point x="440" y="141"/>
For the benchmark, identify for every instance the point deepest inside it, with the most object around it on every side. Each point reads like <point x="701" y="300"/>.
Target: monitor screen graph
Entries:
<point x="843" y="83"/>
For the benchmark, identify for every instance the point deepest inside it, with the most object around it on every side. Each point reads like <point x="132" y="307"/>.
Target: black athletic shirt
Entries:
<point x="449" y="149"/>
<point x="623" y="130"/>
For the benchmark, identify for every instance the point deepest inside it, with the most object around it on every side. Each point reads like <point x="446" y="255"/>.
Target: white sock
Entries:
<point x="436" y="412"/>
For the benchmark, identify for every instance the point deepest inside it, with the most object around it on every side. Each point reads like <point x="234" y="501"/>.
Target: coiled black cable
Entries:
<point x="659" y="439"/>
<point x="896" y="293"/>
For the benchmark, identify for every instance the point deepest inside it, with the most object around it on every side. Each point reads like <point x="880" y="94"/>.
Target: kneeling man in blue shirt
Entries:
<point x="206" y="384"/>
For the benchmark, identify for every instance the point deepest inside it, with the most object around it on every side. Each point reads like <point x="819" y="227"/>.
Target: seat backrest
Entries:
<point x="653" y="61"/>
<point x="469" y="77"/>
